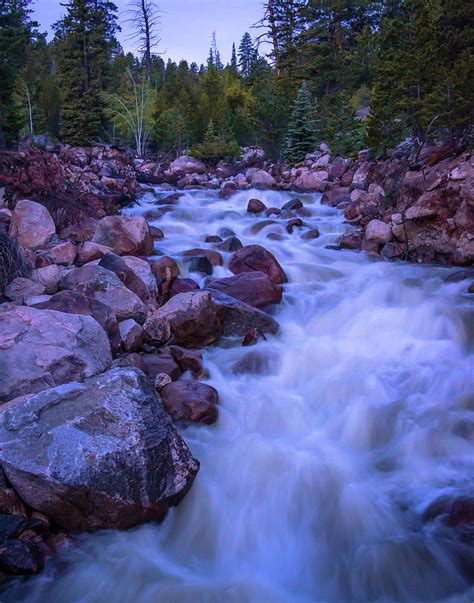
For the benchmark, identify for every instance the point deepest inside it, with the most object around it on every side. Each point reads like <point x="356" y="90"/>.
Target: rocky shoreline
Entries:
<point x="96" y="330"/>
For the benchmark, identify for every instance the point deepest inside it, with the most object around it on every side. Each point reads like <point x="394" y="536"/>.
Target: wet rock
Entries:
<point x="156" y="233"/>
<point x="187" y="360"/>
<point x="131" y="335"/>
<point x="165" y="268"/>
<point x="252" y="337"/>
<point x="214" y="257"/>
<point x="273" y="211"/>
<point x="292" y="205"/>
<point x="311" y="234"/>
<point x="20" y="558"/>
<point x="292" y="224"/>
<point x="230" y="244"/>
<point x="253" y="288"/>
<point x="193" y="319"/>
<point x="190" y="402"/>
<point x="257" y="258"/>
<point x="132" y="359"/>
<point x="239" y="318"/>
<point x="351" y="240"/>
<point x="199" y="263"/>
<point x="105" y="286"/>
<point x="255" y="206"/>
<point x="127" y="235"/>
<point x="31" y="224"/>
<point x="96" y="455"/>
<point x="255" y="362"/>
<point x="213" y="239"/>
<point x="22" y="288"/>
<point x="43" y="348"/>
<point x="336" y="196"/>
<point x="225" y="232"/>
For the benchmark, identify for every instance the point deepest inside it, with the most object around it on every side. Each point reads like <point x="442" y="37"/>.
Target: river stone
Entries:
<point x="105" y="286"/>
<point x="239" y="318"/>
<point x="132" y="275"/>
<point x="193" y="319"/>
<point x="22" y="288"/>
<point x="253" y="288"/>
<point x="190" y="402"/>
<point x="31" y="224"/>
<point x="44" y="348"/>
<point x="262" y="179"/>
<point x="378" y="231"/>
<point x="257" y="258"/>
<point x="96" y="455"/>
<point x="127" y="235"/>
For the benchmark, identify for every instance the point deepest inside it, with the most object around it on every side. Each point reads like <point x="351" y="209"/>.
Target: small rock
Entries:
<point x="190" y="402"/>
<point x="31" y="224"/>
<point x="161" y="380"/>
<point x="20" y="558"/>
<point x="21" y="288"/>
<point x="131" y="334"/>
<point x="255" y="206"/>
<point x="231" y="244"/>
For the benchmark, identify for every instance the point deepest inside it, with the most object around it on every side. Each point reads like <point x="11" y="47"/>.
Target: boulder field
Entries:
<point x="101" y="365"/>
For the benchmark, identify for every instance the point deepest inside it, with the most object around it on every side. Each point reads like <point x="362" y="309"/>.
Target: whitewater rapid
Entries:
<point x="315" y="479"/>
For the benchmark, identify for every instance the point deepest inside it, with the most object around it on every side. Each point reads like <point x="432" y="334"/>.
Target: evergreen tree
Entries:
<point x="85" y="45"/>
<point x="17" y="32"/>
<point x="247" y="55"/>
<point x="301" y="135"/>
<point x="233" y="60"/>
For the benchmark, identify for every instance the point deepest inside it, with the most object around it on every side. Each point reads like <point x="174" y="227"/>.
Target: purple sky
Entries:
<point x="186" y="25"/>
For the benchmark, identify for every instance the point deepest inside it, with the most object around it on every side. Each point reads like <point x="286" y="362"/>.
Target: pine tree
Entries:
<point x="246" y="55"/>
<point x="408" y="76"/>
<point x="85" y="43"/>
<point x="233" y="60"/>
<point x="301" y="135"/>
<point x="17" y="32"/>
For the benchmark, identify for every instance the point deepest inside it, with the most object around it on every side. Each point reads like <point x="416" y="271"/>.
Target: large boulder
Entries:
<point x="32" y="225"/>
<point x="257" y="258"/>
<point x="126" y="235"/>
<point x="262" y="179"/>
<point x="133" y="275"/>
<point x="238" y="318"/>
<point x="254" y="288"/>
<point x="44" y="348"/>
<point x="190" y="402"/>
<point x="192" y="318"/>
<point x="105" y="286"/>
<point x="95" y="455"/>
<point x="72" y="302"/>
<point x="309" y="182"/>
<point x="187" y="165"/>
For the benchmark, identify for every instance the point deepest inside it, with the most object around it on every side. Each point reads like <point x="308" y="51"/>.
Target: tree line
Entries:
<point x="351" y="73"/>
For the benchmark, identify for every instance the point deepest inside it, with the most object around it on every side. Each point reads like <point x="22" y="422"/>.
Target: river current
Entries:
<point x="318" y="480"/>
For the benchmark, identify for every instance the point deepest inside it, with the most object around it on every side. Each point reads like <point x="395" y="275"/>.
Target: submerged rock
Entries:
<point x="257" y="258"/>
<point x="96" y="455"/>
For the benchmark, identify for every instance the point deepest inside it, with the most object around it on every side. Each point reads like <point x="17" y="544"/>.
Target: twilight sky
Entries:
<point x="186" y="25"/>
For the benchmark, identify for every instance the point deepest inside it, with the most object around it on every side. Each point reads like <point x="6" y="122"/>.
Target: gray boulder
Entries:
<point x="96" y="455"/>
<point x="43" y="348"/>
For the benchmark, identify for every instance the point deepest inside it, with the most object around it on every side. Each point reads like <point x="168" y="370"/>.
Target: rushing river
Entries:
<point x="318" y="477"/>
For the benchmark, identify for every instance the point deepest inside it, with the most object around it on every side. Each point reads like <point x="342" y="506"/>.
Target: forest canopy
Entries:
<point x="352" y="74"/>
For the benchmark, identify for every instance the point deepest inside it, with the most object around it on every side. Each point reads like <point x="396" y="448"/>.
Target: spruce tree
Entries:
<point x="233" y="60"/>
<point x="17" y="32"/>
<point x="246" y="55"/>
<point x="302" y="130"/>
<point x="85" y="42"/>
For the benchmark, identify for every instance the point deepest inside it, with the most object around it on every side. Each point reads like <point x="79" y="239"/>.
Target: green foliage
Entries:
<point x="301" y="136"/>
<point x="215" y="147"/>
<point x="85" y="40"/>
